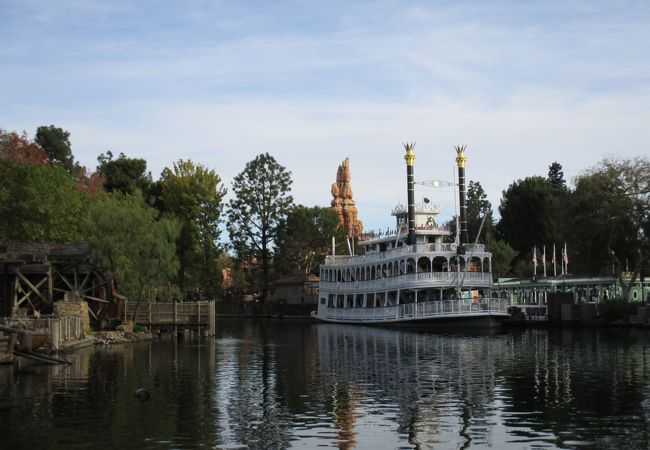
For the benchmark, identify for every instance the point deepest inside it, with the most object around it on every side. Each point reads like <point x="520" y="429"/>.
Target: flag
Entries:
<point x="544" y="255"/>
<point x="535" y="260"/>
<point x="554" y="261"/>
<point x="565" y="255"/>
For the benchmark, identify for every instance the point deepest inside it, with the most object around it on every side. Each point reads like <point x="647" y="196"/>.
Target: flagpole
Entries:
<point x="535" y="261"/>
<point x="566" y="259"/>
<point x="544" y="259"/>
<point x="554" y="262"/>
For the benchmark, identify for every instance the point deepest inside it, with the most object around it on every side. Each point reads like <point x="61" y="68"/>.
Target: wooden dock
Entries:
<point x="198" y="316"/>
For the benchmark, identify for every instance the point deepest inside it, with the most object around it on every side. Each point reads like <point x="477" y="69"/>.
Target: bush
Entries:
<point x="612" y="310"/>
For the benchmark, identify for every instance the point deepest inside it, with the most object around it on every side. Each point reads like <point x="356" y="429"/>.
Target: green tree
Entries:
<point x="193" y="194"/>
<point x="56" y="142"/>
<point x="304" y="239"/>
<point x="556" y="176"/>
<point x="39" y="203"/>
<point x="611" y="221"/>
<point x="124" y="174"/>
<point x="132" y="243"/>
<point x="531" y="213"/>
<point x="502" y="256"/>
<point x="260" y="205"/>
<point x="478" y="207"/>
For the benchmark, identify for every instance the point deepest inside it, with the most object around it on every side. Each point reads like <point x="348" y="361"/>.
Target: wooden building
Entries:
<point x="299" y="289"/>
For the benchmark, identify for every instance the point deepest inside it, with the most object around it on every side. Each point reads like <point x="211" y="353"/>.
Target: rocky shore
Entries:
<point x="120" y="337"/>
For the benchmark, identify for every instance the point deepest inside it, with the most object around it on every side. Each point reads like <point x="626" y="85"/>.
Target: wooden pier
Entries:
<point x="199" y="316"/>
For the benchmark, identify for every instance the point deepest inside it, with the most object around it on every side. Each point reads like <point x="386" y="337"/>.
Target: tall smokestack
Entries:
<point x="410" y="187"/>
<point x="461" y="160"/>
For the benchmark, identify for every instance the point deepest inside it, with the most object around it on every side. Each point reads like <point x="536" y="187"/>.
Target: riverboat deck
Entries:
<point x="438" y="310"/>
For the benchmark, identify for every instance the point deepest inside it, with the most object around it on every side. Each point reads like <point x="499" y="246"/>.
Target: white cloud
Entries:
<point x="522" y="84"/>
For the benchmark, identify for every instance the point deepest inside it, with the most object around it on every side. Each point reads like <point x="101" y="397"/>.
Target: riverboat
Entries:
<point x="410" y="275"/>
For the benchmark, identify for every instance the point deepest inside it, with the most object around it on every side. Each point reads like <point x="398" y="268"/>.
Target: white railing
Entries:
<point x="423" y="310"/>
<point x="419" y="249"/>
<point x="411" y="280"/>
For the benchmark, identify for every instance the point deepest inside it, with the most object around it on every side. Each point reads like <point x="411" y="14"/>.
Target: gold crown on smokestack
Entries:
<point x="410" y="155"/>
<point x="461" y="159"/>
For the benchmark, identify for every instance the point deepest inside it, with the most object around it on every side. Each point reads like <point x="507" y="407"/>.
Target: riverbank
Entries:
<point x="263" y="310"/>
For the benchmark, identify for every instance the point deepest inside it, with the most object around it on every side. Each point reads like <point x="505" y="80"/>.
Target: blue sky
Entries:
<point x="523" y="84"/>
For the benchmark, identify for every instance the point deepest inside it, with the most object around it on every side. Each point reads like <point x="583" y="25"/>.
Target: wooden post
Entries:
<point x="50" y="284"/>
<point x="55" y="332"/>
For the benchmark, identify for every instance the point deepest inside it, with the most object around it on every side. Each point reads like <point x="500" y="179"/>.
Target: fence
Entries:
<point x="199" y="315"/>
<point x="58" y="329"/>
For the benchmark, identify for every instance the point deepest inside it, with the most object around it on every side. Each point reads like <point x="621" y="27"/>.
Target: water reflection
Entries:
<point x="278" y="385"/>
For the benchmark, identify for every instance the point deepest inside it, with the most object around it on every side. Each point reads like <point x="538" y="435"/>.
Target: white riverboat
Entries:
<point x="410" y="275"/>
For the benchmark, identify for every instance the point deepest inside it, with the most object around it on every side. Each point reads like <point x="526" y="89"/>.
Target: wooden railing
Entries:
<point x="187" y="314"/>
<point x="59" y="329"/>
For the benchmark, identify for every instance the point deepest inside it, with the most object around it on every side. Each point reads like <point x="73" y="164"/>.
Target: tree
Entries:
<point x="502" y="256"/>
<point x="56" y="142"/>
<point x="131" y="242"/>
<point x="556" y="176"/>
<point x="304" y="239"/>
<point x="123" y="174"/>
<point x="531" y="213"/>
<point x="39" y="203"/>
<point x="18" y="148"/>
<point x="611" y="205"/>
<point x="260" y="205"/>
<point x="478" y="207"/>
<point x="194" y="195"/>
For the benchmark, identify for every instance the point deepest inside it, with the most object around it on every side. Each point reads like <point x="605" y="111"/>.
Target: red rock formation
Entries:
<point x="343" y="203"/>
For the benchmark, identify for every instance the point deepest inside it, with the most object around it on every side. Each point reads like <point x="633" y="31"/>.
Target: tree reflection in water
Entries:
<point x="272" y="384"/>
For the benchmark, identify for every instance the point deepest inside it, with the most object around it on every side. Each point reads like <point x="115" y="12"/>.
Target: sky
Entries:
<point x="522" y="84"/>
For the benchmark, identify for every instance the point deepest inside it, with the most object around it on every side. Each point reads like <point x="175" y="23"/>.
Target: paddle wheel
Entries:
<point x="35" y="276"/>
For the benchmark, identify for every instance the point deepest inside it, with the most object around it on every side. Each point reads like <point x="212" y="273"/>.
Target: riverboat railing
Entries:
<point x="412" y="280"/>
<point x="422" y="310"/>
<point x="475" y="249"/>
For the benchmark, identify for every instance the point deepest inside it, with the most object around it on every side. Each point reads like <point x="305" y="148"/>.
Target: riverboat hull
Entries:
<point x="457" y="313"/>
<point x="431" y="323"/>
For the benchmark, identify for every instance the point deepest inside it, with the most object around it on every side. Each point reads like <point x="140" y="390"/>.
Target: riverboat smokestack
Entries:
<point x="461" y="160"/>
<point x="410" y="187"/>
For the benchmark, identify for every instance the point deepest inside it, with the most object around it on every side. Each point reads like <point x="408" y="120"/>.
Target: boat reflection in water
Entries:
<point x="281" y="384"/>
<point x="548" y="388"/>
<point x="439" y="389"/>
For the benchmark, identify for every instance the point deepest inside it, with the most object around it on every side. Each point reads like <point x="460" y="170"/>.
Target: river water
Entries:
<point x="273" y="384"/>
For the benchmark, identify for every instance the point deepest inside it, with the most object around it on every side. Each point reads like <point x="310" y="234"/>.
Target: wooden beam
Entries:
<point x="97" y="299"/>
<point x="34" y="288"/>
<point x="102" y="284"/>
<point x="65" y="280"/>
<point x="50" y="285"/>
